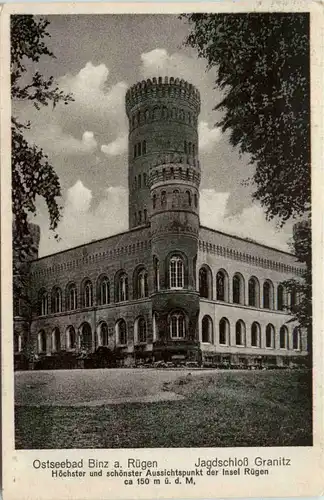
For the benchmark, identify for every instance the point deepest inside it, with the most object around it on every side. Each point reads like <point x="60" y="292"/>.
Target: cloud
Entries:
<point x="108" y="217"/>
<point x="208" y="136"/>
<point x="116" y="147"/>
<point x="250" y="223"/>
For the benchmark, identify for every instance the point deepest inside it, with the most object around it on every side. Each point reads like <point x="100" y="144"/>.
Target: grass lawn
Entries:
<point x="219" y="409"/>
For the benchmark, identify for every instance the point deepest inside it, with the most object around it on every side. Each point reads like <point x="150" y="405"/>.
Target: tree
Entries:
<point x="32" y="174"/>
<point x="262" y="63"/>
<point x="262" y="67"/>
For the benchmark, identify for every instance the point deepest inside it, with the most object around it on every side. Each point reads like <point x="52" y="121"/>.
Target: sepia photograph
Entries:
<point x="161" y="230"/>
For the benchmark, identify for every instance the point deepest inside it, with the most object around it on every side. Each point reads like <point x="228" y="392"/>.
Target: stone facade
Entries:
<point x="168" y="288"/>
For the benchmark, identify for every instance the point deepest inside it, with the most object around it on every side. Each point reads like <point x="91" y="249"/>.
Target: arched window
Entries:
<point x="254" y="292"/>
<point x="177" y="325"/>
<point x="103" y="334"/>
<point x="268" y="295"/>
<point x="122" y="288"/>
<point x="70" y="338"/>
<point x="17" y="342"/>
<point x="42" y="344"/>
<point x="207" y="330"/>
<point x="196" y="200"/>
<point x="86" y="337"/>
<point x="175" y="198"/>
<point x="156" y="113"/>
<point x="71" y="297"/>
<point x="164" y="112"/>
<point x="140" y="284"/>
<point x="188" y="198"/>
<point x="57" y="300"/>
<point x="121" y="332"/>
<point x="255" y="335"/>
<point x="56" y="340"/>
<point x="270" y="335"/>
<point x="163" y="199"/>
<point x="154" y="201"/>
<point x="221" y="286"/>
<point x="147" y="115"/>
<point x="155" y="327"/>
<point x="238" y="289"/>
<point x="205" y="283"/>
<point x="280" y="297"/>
<point x="293" y="299"/>
<point x="141" y="330"/>
<point x="240" y="333"/>
<point x="283" y="337"/>
<point x="224" y="332"/>
<point x="87" y="294"/>
<point x="156" y="266"/>
<point x="43" y="303"/>
<point x="144" y="149"/>
<point x="296" y="339"/>
<point x="104" y="295"/>
<point x="176" y="272"/>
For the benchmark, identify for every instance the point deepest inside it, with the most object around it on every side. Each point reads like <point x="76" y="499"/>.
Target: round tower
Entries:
<point x="162" y="114"/>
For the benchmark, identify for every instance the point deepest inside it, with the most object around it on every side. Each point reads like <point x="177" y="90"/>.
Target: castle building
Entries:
<point x="168" y="288"/>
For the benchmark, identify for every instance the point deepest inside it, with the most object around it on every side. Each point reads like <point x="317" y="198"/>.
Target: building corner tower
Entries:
<point x="164" y="178"/>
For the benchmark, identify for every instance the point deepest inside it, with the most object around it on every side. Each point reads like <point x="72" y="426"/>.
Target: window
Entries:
<point x="42" y="344"/>
<point x="147" y="115"/>
<point x="164" y="112"/>
<point x="177" y="325"/>
<point x="270" y="331"/>
<point x="17" y="342"/>
<point x="267" y="295"/>
<point x="86" y="337"/>
<point x="141" y="330"/>
<point x="156" y="274"/>
<point x="121" y="332"/>
<point x="175" y="198"/>
<point x="70" y="338"/>
<point x="253" y="292"/>
<point x="43" y="303"/>
<point x="293" y="299"/>
<point x="207" y="330"/>
<point x="221" y="286"/>
<point x="56" y="340"/>
<point x="122" y="288"/>
<point x="104" y="296"/>
<point x="145" y="215"/>
<point x="188" y="198"/>
<point x="176" y="274"/>
<point x="255" y="335"/>
<point x="140" y="284"/>
<point x="87" y="294"/>
<point x="224" y="331"/>
<point x="238" y="289"/>
<point x="71" y="297"/>
<point x="154" y="201"/>
<point x="163" y="199"/>
<point x="280" y="297"/>
<point x="205" y="283"/>
<point x="283" y="337"/>
<point x="139" y="182"/>
<point x="103" y="335"/>
<point x="139" y="149"/>
<point x="196" y="200"/>
<point x="57" y="300"/>
<point x="296" y="339"/>
<point x="240" y="333"/>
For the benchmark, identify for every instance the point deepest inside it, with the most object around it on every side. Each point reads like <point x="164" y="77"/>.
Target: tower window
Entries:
<point x="145" y="215"/>
<point x="188" y="198"/>
<point x="154" y="201"/>
<point x="177" y="325"/>
<point x="163" y="199"/>
<point x="196" y="200"/>
<point x="175" y="198"/>
<point x="176" y="273"/>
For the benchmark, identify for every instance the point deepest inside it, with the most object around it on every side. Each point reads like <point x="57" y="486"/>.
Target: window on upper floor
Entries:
<point x="254" y="292"/>
<point x="71" y="297"/>
<point x="280" y="297"/>
<point x="43" y="303"/>
<point x="56" y="300"/>
<point x="238" y="289"/>
<point x="268" y="295"/>
<point x="122" y="288"/>
<point x="176" y="272"/>
<point x="104" y="291"/>
<point x="87" y="294"/>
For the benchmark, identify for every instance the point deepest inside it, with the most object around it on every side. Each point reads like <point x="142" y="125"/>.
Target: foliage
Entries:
<point x="262" y="63"/>
<point x="32" y="174"/>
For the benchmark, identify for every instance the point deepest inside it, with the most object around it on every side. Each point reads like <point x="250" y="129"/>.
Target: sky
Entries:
<point x="97" y="58"/>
